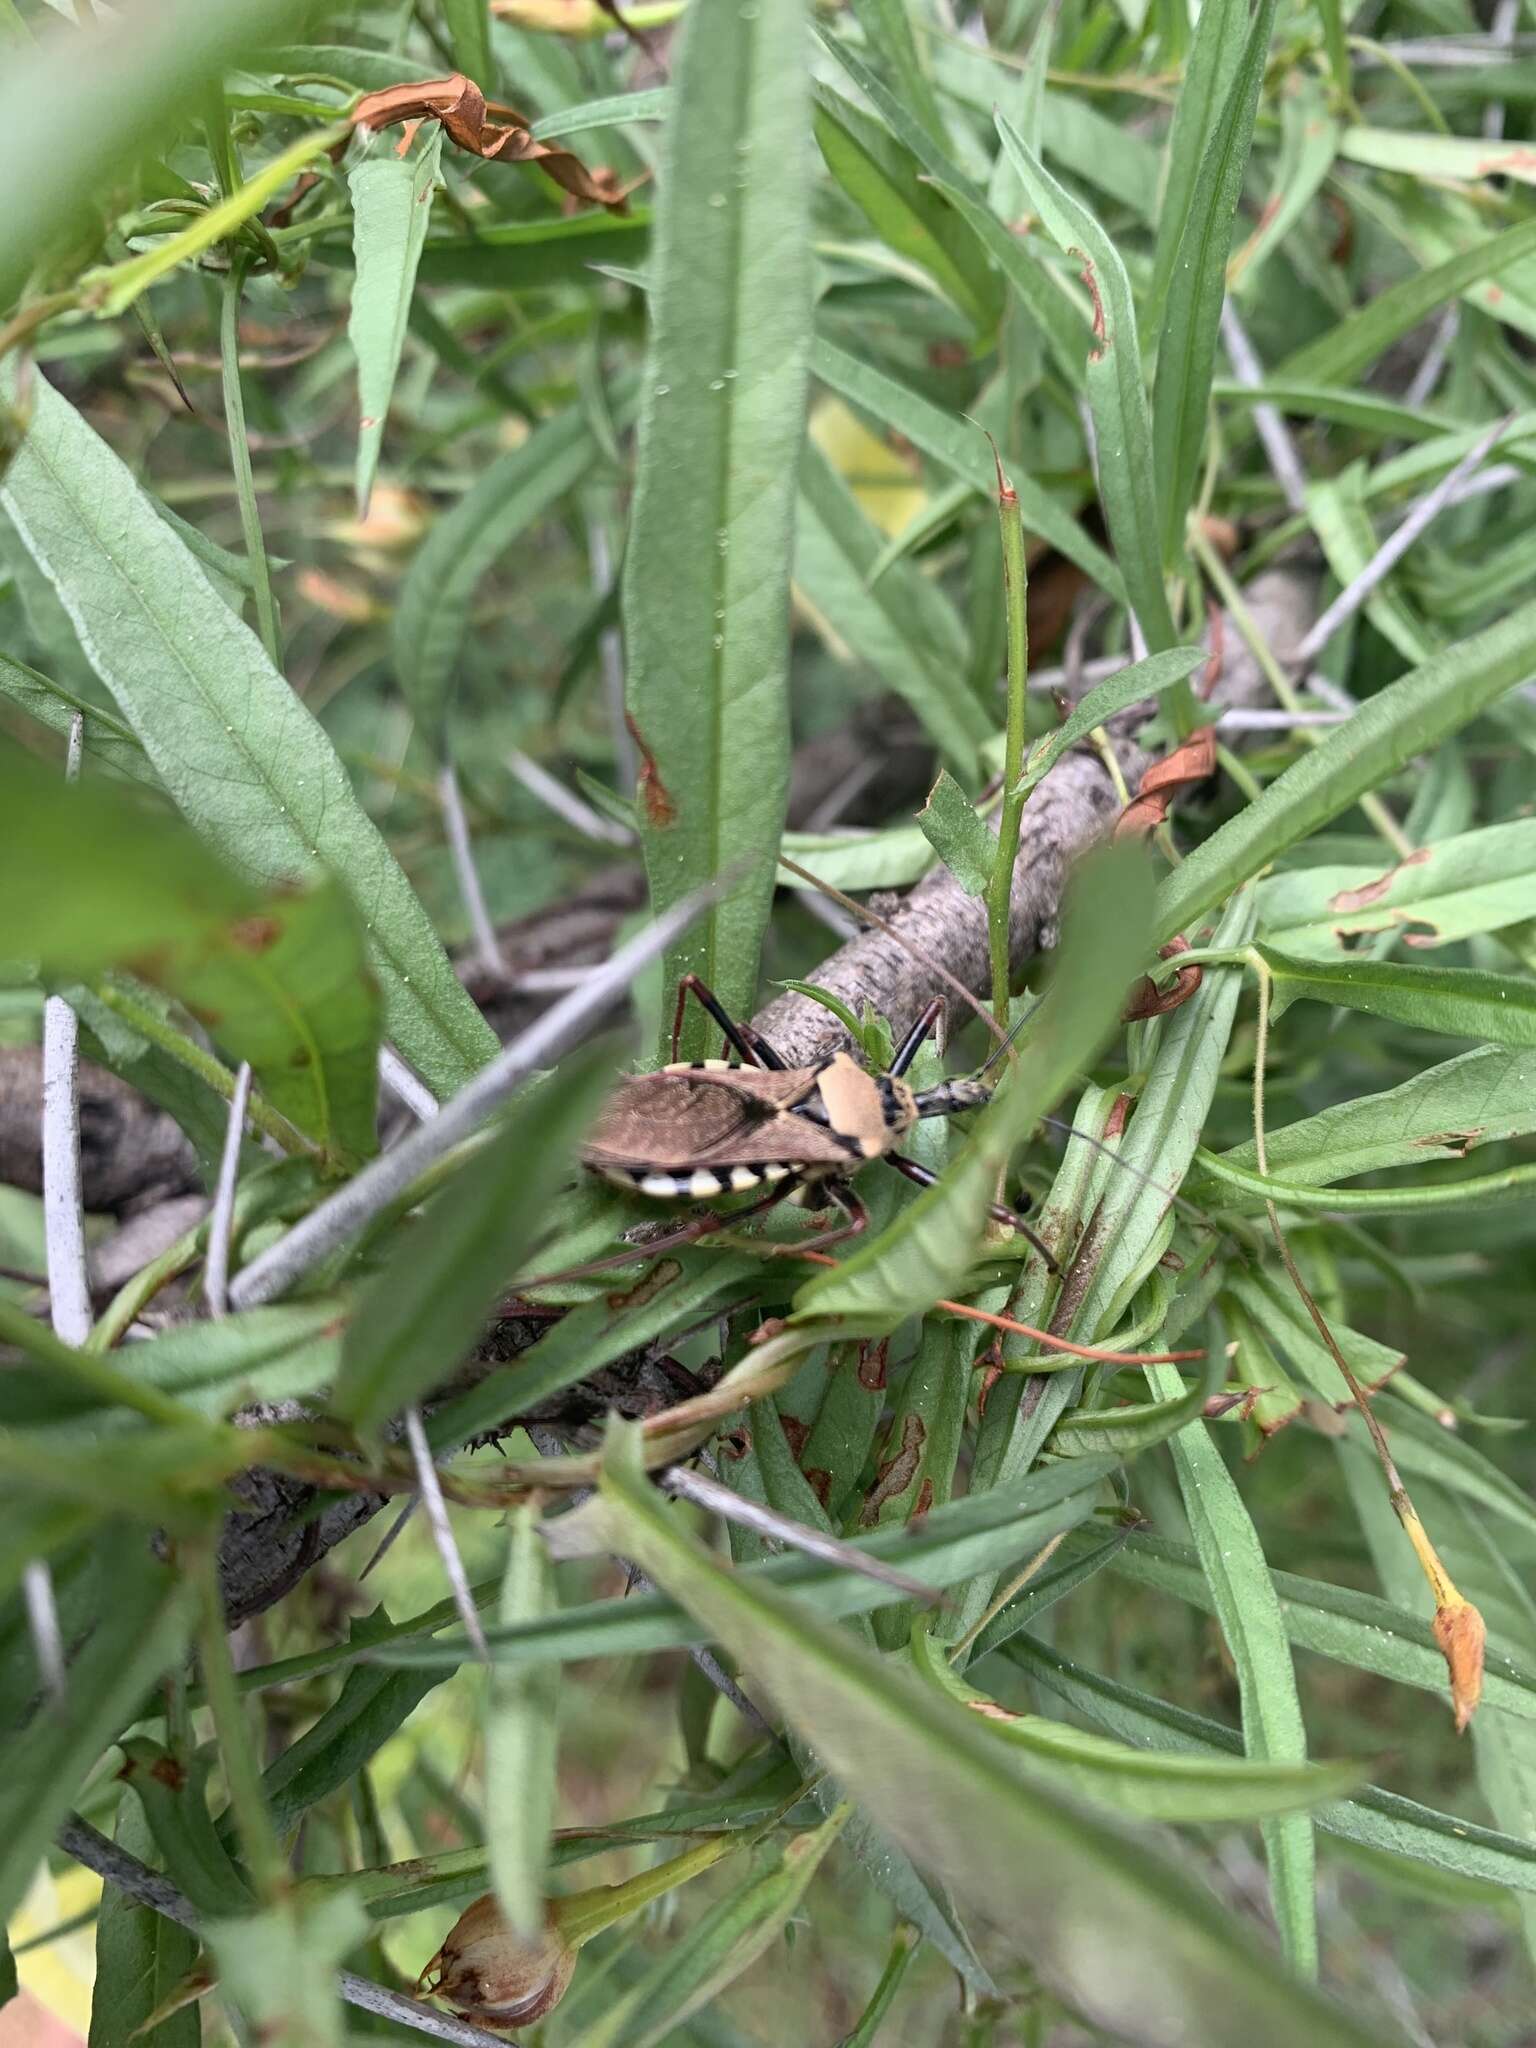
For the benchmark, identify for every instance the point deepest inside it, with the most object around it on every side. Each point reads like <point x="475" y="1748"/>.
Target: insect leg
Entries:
<point x="704" y="1224"/>
<point x="853" y="1210"/>
<point x="750" y="1045"/>
<point x="926" y="1178"/>
<point x="907" y="1051"/>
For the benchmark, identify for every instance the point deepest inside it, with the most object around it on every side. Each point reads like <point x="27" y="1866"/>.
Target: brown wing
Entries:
<point x="710" y="1117"/>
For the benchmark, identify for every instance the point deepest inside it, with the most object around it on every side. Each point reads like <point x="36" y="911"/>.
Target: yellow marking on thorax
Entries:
<point x="854" y="1110"/>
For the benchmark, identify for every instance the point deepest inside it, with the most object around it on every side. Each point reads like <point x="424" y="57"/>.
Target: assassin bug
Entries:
<point x="699" y="1129"/>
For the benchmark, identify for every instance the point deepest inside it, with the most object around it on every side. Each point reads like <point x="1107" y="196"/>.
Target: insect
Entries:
<point x="697" y="1130"/>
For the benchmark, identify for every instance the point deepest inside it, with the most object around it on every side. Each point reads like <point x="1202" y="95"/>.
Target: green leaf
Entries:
<point x="949" y="823"/>
<point x="924" y="1253"/>
<point x="1143" y="679"/>
<point x="1165" y="1784"/>
<point x="175" y="1803"/>
<point x="1410" y="716"/>
<point x="1038" y="1870"/>
<point x="909" y="216"/>
<point x="522" y="1737"/>
<point x="523" y="255"/>
<point x="1337" y="513"/>
<point x="1197" y="286"/>
<point x="280" y="981"/>
<point x="1342" y="353"/>
<point x="1116" y="391"/>
<point x="1309" y="136"/>
<point x="726" y="1940"/>
<point x="653" y="103"/>
<point x="141" y="1958"/>
<point x="959" y="449"/>
<point x="469" y="35"/>
<point x="238" y="752"/>
<point x="142" y="1627"/>
<point x="1462" y="1002"/>
<point x="465" y="544"/>
<point x="859" y="860"/>
<point x="903" y="626"/>
<point x="278" y="1968"/>
<point x="706" y="573"/>
<point x="1471" y="882"/>
<point x="1214" y="55"/>
<point x="422" y="1313"/>
<point x="391" y="207"/>
<point x="1476" y="1099"/>
<point x="1436" y="157"/>
<point x="1353" y="1628"/>
<point x="371" y="1706"/>
<point x="961" y="1537"/>
<point x="1380" y="1820"/>
<point x="106" y="739"/>
<point x="125" y="89"/>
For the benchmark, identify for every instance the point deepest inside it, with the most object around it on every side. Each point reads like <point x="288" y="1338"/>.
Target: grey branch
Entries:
<point x="89" y="1846"/>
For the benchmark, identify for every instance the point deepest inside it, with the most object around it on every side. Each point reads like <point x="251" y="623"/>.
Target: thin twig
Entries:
<point x="733" y="1507"/>
<point x="1501" y="32"/>
<point x="221" y="1221"/>
<point x="1396" y="545"/>
<point x="442" y="1532"/>
<point x="392" y="1534"/>
<point x="384" y="1180"/>
<point x="450" y="796"/>
<point x="69" y="1289"/>
<point x="1270" y="427"/>
<point x="565" y="803"/>
<point x="91" y="1848"/>
<point x="43" y="1622"/>
<point x="406" y="1086"/>
<point x="1422" y="387"/>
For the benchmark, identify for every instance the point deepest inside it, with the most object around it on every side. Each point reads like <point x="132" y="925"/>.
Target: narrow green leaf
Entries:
<point x="1309" y="138"/>
<point x="1470" y="882"/>
<point x="141" y="1958"/>
<point x="521" y="255"/>
<point x="391" y="206"/>
<point x="1214" y="55"/>
<point x="421" y="1314"/>
<point x="949" y="823"/>
<point x="960" y="449"/>
<point x="522" y="1737"/>
<point x="469" y="34"/>
<point x="1116" y="391"/>
<point x="1143" y="679"/>
<point x="924" y="1252"/>
<point x="1162" y="1784"/>
<point x="371" y="1706"/>
<point x="1197" y="286"/>
<point x="653" y="103"/>
<point x="706" y="574"/>
<point x="902" y="626"/>
<point x="106" y="739"/>
<point x="175" y="1803"/>
<point x="1476" y="1099"/>
<point x="238" y="752"/>
<point x="1036" y="1869"/>
<point x="1462" y="1002"/>
<point x="465" y="543"/>
<point x="1353" y="1628"/>
<point x="727" y="1940"/>
<point x="1342" y="353"/>
<point x="1410" y="716"/>
<point x="1379" y="1819"/>
<point x="1338" y="515"/>
<point x="142" y="1626"/>
<point x="961" y="1537"/>
<point x="909" y="216"/>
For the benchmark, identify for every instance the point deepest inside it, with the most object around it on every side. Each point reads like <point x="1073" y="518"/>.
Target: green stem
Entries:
<point x="186" y="1052"/>
<point x="242" y="1771"/>
<point x="240" y="462"/>
<point x="903" y="1948"/>
<point x="1000" y="887"/>
<point x="89" y="1371"/>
